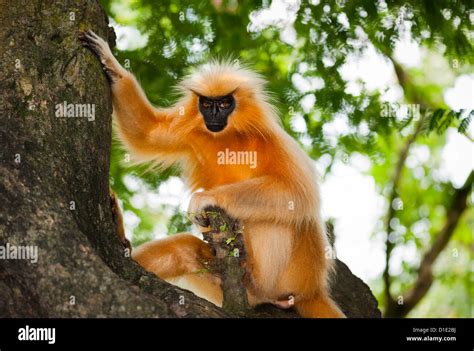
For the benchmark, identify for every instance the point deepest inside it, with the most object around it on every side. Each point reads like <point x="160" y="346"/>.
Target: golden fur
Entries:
<point x="277" y="201"/>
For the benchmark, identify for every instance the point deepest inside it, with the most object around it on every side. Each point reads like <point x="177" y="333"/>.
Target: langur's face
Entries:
<point x="216" y="110"/>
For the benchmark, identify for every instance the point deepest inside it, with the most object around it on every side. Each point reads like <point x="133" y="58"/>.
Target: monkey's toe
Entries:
<point x="201" y="220"/>
<point x="285" y="303"/>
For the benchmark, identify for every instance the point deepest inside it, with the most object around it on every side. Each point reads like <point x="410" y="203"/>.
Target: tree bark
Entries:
<point x="54" y="188"/>
<point x="54" y="173"/>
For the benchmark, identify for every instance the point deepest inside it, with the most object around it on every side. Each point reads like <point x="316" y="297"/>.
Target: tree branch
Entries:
<point x="424" y="275"/>
<point x="409" y="91"/>
<point x="225" y="238"/>
<point x="425" y="278"/>
<point x="391" y="209"/>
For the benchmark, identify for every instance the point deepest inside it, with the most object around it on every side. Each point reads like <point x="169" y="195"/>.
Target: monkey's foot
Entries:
<point x="101" y="49"/>
<point x="197" y="209"/>
<point x="284" y="303"/>
<point x="201" y="219"/>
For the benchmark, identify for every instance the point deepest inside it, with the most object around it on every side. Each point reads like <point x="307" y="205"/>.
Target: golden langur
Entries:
<point x="225" y="112"/>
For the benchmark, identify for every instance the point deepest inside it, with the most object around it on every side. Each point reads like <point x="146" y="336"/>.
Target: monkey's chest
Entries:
<point x="228" y="165"/>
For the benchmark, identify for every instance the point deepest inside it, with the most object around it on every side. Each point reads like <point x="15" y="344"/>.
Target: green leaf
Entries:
<point x="464" y="125"/>
<point x="435" y="117"/>
<point x="230" y="240"/>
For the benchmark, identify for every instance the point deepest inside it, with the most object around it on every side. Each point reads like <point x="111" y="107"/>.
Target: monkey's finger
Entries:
<point x="93" y="41"/>
<point x="201" y="220"/>
<point x="87" y="42"/>
<point x="101" y="49"/>
<point x="82" y="38"/>
<point x="87" y="36"/>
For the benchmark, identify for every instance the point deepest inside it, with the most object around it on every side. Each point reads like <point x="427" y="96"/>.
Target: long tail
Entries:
<point x="319" y="307"/>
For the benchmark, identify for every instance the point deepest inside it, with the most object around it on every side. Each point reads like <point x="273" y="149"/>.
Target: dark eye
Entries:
<point x="206" y="105"/>
<point x="224" y="104"/>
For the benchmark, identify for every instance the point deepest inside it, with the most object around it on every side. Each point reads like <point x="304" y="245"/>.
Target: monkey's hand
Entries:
<point x="101" y="49"/>
<point x="200" y="201"/>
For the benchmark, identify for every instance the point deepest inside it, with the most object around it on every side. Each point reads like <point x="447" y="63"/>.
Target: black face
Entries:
<point x="216" y="110"/>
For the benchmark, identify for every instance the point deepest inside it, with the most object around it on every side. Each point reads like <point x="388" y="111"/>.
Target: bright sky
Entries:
<point x="349" y="195"/>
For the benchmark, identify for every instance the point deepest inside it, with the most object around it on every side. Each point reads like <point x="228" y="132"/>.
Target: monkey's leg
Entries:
<point x="182" y="260"/>
<point x="306" y="275"/>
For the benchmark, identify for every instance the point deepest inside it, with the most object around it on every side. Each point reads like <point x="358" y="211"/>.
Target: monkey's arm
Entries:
<point x="264" y="198"/>
<point x="145" y="130"/>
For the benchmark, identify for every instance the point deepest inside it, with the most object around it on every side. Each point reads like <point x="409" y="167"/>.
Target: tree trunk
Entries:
<point x="54" y="190"/>
<point x="54" y="173"/>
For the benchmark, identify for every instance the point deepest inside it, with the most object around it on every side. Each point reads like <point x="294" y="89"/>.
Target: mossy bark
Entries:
<point x="54" y="190"/>
<point x="225" y="238"/>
